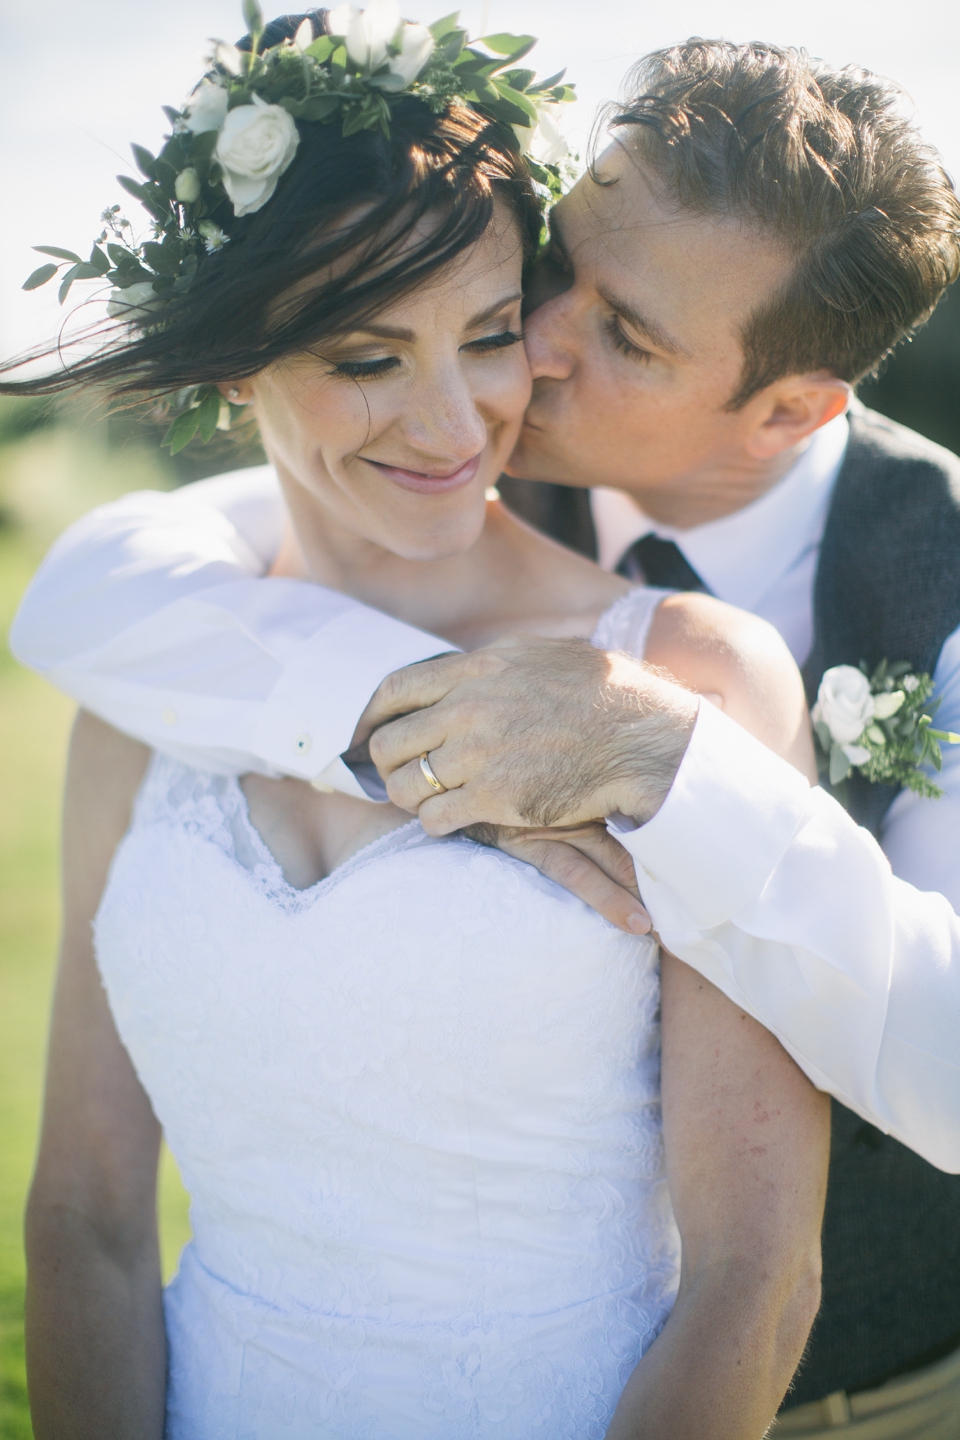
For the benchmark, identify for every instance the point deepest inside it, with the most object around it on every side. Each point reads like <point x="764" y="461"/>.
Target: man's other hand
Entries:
<point x="528" y="733"/>
<point x="584" y="859"/>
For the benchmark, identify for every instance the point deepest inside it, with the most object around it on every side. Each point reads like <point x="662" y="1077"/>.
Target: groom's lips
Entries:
<point x="423" y="484"/>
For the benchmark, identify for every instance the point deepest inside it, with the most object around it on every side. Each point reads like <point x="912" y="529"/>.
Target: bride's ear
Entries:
<point x="238" y="392"/>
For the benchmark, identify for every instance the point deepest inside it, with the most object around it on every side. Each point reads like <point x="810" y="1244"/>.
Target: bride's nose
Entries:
<point x="443" y="419"/>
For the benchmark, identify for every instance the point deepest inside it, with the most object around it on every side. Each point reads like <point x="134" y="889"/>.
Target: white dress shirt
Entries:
<point x="148" y="613"/>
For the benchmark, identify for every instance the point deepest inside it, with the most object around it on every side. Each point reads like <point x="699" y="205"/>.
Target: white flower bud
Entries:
<point x="206" y="108"/>
<point x="886" y="705"/>
<point x="416" y="46"/>
<point x="366" y="33"/>
<point x="187" y="186"/>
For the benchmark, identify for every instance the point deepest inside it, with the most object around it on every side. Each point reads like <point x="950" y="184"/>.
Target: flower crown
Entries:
<point x="236" y="134"/>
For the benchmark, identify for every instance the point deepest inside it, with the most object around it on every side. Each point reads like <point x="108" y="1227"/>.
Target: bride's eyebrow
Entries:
<point x="390" y="332"/>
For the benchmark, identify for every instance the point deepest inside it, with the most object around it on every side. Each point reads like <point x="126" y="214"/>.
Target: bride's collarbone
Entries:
<point x="310" y="833"/>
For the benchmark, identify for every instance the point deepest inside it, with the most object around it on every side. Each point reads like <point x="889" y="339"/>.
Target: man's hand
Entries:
<point x="528" y="733"/>
<point x="584" y="859"/>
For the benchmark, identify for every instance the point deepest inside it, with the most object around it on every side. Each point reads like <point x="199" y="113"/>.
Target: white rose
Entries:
<point x="544" y="142"/>
<point x="366" y="33"/>
<point x="135" y="303"/>
<point x="255" y="146"/>
<point x="207" y="108"/>
<point x="844" y="703"/>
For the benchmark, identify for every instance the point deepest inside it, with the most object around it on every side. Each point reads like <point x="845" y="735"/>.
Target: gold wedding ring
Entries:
<point x="429" y="776"/>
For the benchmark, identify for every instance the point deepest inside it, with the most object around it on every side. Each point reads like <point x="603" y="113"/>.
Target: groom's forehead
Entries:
<point x="627" y="238"/>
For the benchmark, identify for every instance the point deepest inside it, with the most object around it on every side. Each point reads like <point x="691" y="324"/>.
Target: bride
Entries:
<point x="413" y="1087"/>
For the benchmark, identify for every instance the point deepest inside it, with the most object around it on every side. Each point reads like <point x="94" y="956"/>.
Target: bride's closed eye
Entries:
<point x="373" y="369"/>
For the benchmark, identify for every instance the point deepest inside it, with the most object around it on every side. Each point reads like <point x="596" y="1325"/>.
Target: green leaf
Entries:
<point x="253" y="16"/>
<point x="40" y="277"/>
<point x="444" y="25"/>
<point x="840" y="766"/>
<point x="511" y="45"/>
<point x="321" y="49"/>
<point x="66" y="282"/>
<point x="518" y="79"/>
<point x="548" y="84"/>
<point x="451" y="46"/>
<point x="172" y="115"/>
<point x="182" y="431"/>
<point x="145" y="162"/>
<point x="159" y="258"/>
<point x="824" y="736"/>
<point x="321" y="107"/>
<point x="517" y="98"/>
<point x="208" y="413"/>
<point x="56" y="252"/>
<point x="98" y="261"/>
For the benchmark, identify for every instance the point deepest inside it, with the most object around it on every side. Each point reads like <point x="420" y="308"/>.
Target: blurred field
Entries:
<point x="48" y="474"/>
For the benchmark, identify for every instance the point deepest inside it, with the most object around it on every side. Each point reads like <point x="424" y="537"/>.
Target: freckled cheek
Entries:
<point x="506" y="395"/>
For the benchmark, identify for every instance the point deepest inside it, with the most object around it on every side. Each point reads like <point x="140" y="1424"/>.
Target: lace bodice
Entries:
<point x="417" y="1111"/>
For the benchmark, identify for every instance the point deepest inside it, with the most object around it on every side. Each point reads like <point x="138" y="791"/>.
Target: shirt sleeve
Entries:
<point x="152" y="613"/>
<point x="766" y="886"/>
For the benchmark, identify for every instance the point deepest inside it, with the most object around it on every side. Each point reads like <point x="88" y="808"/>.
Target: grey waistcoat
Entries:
<point x="887" y="586"/>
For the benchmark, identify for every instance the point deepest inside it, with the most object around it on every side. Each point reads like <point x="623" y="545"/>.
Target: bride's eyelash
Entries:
<point x="365" y="369"/>
<point x="621" y="343"/>
<point x="373" y="369"/>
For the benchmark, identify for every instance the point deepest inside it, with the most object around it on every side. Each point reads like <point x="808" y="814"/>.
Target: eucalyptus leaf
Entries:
<point x="253" y="16"/>
<point x="503" y="44"/>
<point x="517" y="98"/>
<point x="57" y="253"/>
<point x="145" y="162"/>
<point x="182" y="431"/>
<point x="98" y="261"/>
<point x="66" y="282"/>
<point x="549" y="83"/>
<point x="442" y="27"/>
<point x="840" y="766"/>
<point x="519" y="79"/>
<point x="40" y="276"/>
<point x="208" y="413"/>
<point x="321" y="49"/>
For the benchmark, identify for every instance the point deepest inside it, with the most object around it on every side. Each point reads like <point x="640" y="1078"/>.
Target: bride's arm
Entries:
<point x="96" y="1354"/>
<point x="747" y="1144"/>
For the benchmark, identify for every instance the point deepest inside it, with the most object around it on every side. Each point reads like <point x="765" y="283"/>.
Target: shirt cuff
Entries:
<point x="731" y="812"/>
<point x="313" y="710"/>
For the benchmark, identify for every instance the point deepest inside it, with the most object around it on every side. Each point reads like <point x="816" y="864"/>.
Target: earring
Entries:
<point x="234" y="392"/>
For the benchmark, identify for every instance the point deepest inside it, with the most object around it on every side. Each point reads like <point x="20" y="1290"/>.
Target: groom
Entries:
<point x="760" y="236"/>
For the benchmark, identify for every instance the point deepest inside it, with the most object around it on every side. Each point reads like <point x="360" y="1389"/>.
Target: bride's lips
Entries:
<point x="422" y="484"/>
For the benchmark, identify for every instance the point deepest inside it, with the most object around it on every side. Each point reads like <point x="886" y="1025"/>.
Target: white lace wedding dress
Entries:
<point x="417" y="1110"/>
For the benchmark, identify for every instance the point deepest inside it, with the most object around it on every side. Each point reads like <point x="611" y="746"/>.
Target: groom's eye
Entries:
<point x="621" y="343"/>
<point x="489" y="343"/>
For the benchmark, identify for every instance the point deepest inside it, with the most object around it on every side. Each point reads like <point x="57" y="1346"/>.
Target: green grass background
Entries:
<point x="52" y="468"/>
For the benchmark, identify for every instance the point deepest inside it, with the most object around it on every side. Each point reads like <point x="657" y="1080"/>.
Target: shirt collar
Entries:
<point x="740" y="556"/>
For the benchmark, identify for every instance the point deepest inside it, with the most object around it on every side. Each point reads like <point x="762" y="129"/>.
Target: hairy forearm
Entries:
<point x="96" y="1352"/>
<point x="724" y="1360"/>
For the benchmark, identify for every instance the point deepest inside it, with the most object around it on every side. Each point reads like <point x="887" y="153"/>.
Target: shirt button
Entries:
<point x="302" y="744"/>
<point x="169" y="717"/>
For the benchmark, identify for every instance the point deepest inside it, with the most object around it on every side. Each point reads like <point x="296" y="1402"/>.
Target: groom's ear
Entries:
<point x="790" y="409"/>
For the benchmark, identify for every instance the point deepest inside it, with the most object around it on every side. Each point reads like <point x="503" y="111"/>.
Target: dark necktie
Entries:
<point x="659" y="562"/>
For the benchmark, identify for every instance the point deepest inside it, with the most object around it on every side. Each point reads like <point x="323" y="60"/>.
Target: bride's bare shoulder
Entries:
<point x="739" y="660"/>
<point x="104" y="773"/>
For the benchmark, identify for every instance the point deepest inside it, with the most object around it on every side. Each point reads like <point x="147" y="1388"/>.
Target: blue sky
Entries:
<point x="82" y="78"/>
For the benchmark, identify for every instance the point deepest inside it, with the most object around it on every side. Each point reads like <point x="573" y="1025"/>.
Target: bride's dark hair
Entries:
<point x="348" y="207"/>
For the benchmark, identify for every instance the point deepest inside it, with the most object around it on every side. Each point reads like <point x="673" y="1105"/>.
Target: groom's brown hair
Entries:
<point x="827" y="162"/>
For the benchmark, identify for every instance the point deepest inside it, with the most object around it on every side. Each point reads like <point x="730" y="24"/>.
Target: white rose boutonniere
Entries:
<point x="876" y="724"/>
<point x="255" y="146"/>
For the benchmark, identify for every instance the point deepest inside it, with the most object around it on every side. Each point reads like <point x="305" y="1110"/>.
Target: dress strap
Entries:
<point x="626" y="625"/>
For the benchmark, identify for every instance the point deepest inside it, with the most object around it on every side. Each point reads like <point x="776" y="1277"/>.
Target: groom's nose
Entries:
<point x="550" y="338"/>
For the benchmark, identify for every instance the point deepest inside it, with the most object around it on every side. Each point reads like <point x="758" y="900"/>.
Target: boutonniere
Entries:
<point x="879" y="725"/>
